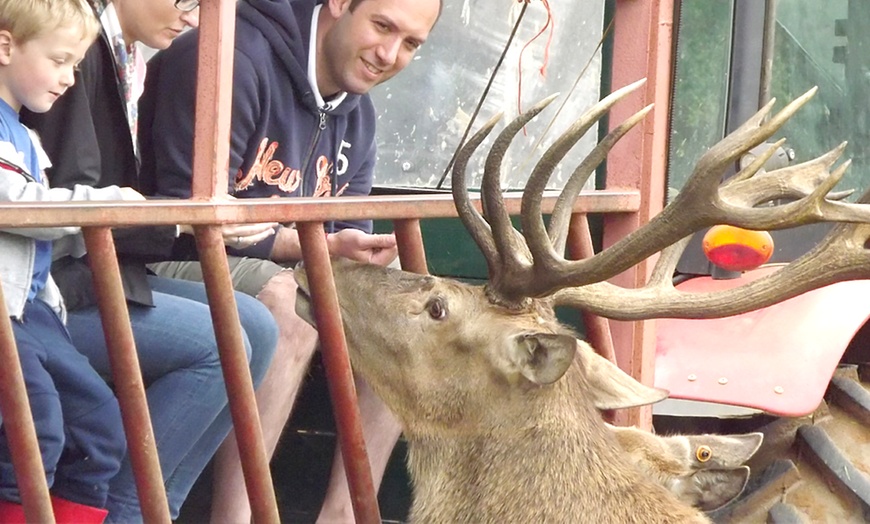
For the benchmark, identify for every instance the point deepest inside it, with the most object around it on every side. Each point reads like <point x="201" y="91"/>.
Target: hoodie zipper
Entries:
<point x="321" y="125"/>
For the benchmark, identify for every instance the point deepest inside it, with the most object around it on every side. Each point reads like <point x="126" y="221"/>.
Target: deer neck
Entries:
<point x="550" y="462"/>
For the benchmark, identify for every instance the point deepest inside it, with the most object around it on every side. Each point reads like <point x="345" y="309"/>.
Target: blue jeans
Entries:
<point x="184" y="382"/>
<point x="77" y="420"/>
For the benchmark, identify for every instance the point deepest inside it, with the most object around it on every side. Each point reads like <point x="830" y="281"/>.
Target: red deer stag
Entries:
<point x="497" y="404"/>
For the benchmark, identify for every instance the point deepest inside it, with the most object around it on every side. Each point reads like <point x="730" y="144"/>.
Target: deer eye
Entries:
<point x="437" y="308"/>
<point x="703" y="453"/>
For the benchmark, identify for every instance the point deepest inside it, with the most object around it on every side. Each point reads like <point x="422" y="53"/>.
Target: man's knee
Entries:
<point x="280" y="289"/>
<point x="279" y="295"/>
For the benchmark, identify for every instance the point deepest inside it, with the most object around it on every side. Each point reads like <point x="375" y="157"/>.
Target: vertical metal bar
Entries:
<point x="642" y="47"/>
<point x="410" y="242"/>
<point x="214" y="80"/>
<point x="19" y="428"/>
<point x="767" y="52"/>
<point x="579" y="247"/>
<point x="338" y="372"/>
<point x="210" y="179"/>
<point x="126" y="374"/>
<point x="747" y="63"/>
<point x="237" y="375"/>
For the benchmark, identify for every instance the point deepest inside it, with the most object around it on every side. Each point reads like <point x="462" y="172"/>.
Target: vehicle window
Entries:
<point x="424" y="111"/>
<point x="700" y="97"/>
<point x="824" y="44"/>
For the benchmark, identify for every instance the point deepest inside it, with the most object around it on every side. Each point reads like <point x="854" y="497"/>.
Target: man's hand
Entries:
<point x="363" y="247"/>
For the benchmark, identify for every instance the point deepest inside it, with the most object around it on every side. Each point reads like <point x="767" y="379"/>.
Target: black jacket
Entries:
<point x="87" y="138"/>
<point x="282" y="143"/>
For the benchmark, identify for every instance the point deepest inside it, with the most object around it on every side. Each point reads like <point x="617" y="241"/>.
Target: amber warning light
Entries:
<point x="737" y="249"/>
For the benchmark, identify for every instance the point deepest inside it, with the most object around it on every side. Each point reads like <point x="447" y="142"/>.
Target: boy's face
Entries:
<point x="372" y="43"/>
<point x="35" y="74"/>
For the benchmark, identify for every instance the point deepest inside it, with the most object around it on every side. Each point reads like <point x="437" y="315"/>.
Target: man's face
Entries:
<point x="36" y="73"/>
<point x="372" y="43"/>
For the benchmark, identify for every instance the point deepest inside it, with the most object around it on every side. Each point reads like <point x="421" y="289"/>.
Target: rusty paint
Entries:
<point x="336" y="362"/>
<point x="641" y="48"/>
<point x="410" y="242"/>
<point x="126" y="375"/>
<point x="169" y="212"/>
<point x="237" y="374"/>
<point x="19" y="428"/>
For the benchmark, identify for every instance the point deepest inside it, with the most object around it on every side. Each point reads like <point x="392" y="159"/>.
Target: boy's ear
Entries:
<point x="6" y="43"/>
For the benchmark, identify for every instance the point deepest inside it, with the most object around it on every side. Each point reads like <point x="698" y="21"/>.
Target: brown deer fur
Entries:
<point x="496" y="433"/>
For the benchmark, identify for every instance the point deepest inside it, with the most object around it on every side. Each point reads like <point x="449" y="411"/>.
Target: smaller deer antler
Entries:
<point x="532" y="265"/>
<point x="512" y="259"/>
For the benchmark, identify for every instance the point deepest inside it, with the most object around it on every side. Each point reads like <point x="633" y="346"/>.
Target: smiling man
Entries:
<point x="302" y="125"/>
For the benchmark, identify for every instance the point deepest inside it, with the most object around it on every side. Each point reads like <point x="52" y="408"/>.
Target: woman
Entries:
<point x="89" y="135"/>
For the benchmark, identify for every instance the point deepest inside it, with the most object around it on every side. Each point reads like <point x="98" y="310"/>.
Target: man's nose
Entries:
<point x="388" y="51"/>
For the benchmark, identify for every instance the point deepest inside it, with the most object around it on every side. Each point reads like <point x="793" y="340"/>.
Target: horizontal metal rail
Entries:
<point x="166" y="212"/>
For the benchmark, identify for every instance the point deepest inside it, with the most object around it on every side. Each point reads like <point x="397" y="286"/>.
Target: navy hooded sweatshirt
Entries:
<point x="282" y="143"/>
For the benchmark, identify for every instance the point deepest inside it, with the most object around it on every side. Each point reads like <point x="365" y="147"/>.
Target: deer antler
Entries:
<point x="532" y="265"/>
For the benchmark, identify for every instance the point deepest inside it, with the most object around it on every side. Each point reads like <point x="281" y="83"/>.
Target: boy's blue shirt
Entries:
<point x="12" y="131"/>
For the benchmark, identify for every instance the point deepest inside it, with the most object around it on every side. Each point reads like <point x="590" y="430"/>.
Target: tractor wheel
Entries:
<point x="815" y="468"/>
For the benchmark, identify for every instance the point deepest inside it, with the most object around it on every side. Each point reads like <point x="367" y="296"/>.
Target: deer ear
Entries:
<point x="713" y="488"/>
<point x="611" y="387"/>
<point x="543" y="357"/>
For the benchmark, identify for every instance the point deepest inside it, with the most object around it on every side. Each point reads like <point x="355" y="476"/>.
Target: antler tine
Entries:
<point x="509" y="244"/>
<point x="839" y="256"/>
<point x="710" y="168"/>
<point x="756" y="165"/>
<point x="532" y="218"/>
<point x="791" y="182"/>
<point x="697" y="206"/>
<point x="558" y="228"/>
<point x="473" y="221"/>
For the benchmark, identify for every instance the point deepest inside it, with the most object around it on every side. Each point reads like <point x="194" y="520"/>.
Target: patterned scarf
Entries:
<point x="129" y="61"/>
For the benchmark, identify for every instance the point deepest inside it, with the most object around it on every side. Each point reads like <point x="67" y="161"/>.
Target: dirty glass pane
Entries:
<point x="700" y="85"/>
<point x="826" y="44"/>
<point x="423" y="112"/>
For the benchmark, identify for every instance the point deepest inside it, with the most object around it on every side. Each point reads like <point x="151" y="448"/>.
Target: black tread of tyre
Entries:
<point x="782" y="513"/>
<point x="818" y="446"/>
<point x="814" y="468"/>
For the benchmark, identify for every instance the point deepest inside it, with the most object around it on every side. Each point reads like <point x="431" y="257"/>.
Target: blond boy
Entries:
<point x="77" y="419"/>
